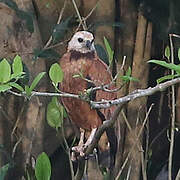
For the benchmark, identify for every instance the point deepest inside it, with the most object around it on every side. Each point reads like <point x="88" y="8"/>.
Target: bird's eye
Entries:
<point x="80" y="40"/>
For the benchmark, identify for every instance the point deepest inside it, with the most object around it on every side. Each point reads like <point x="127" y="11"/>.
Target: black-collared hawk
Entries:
<point x="81" y="59"/>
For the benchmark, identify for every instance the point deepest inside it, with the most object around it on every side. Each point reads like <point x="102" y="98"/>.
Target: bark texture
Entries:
<point x="25" y="117"/>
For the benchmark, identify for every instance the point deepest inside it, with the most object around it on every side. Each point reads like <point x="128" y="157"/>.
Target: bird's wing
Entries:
<point x="99" y="75"/>
<point x="79" y="111"/>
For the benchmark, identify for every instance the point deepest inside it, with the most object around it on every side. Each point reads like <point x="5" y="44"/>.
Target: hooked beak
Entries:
<point x="89" y="44"/>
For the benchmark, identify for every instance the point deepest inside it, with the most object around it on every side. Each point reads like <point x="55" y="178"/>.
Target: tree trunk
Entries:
<point x="124" y="46"/>
<point x="136" y="109"/>
<point x="27" y="117"/>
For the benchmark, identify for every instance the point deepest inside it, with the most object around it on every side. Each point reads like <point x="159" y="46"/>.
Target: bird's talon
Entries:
<point x="78" y="151"/>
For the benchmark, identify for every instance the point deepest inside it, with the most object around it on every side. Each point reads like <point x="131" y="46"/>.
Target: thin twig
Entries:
<point x="173" y="115"/>
<point x="123" y="63"/>
<point x="67" y="149"/>
<point x="18" y="119"/>
<point x="59" y="20"/>
<point x="128" y="173"/>
<point x="92" y="10"/>
<point x="134" y="144"/>
<point x="159" y="134"/>
<point x="178" y="175"/>
<point x="175" y="35"/>
<point x="143" y="166"/>
<point x="15" y="147"/>
<point x="146" y="145"/>
<point x="57" y="45"/>
<point x="79" y="16"/>
<point x="126" y="121"/>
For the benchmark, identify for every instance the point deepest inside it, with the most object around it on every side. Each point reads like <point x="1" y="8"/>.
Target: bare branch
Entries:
<point x="175" y="35"/>
<point x="107" y="103"/>
<point x="123" y="63"/>
<point x="178" y="175"/>
<point x="134" y="95"/>
<point x="79" y="16"/>
<point x="15" y="147"/>
<point x="173" y="115"/>
<point x="92" y="10"/>
<point x="135" y="143"/>
<point x="102" y="128"/>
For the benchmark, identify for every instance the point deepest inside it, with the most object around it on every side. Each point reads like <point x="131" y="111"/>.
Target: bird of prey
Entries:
<point x="83" y="70"/>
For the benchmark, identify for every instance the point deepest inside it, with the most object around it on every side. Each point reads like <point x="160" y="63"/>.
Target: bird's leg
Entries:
<point x="90" y="138"/>
<point x="82" y="133"/>
<point x="81" y="146"/>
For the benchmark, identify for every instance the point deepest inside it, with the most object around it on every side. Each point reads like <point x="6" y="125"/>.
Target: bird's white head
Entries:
<point x="82" y="41"/>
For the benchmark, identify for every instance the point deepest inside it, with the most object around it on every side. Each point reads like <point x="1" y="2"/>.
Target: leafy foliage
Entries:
<point x="102" y="53"/>
<point x="17" y="67"/>
<point x="167" y="52"/>
<point x="7" y="78"/>
<point x="171" y="66"/>
<point x="55" y="113"/>
<point x="3" y="171"/>
<point x="46" y="54"/>
<point x="43" y="167"/>
<point x="29" y="89"/>
<point x="36" y="80"/>
<point x="5" y="70"/>
<point x="110" y="52"/>
<point x="56" y="74"/>
<point x="127" y="77"/>
<point x="60" y="30"/>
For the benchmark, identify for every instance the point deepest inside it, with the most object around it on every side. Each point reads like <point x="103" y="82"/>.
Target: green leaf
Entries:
<point x="128" y="78"/>
<point x="46" y="54"/>
<point x="179" y="54"/>
<point x="64" y="113"/>
<point x="3" y="171"/>
<point x="56" y="74"/>
<point x="4" y="87"/>
<point x="167" y="52"/>
<point x="43" y="167"/>
<point x="5" y="71"/>
<point x="17" y="66"/>
<point x="128" y="73"/>
<point x="102" y="53"/>
<point x="133" y="79"/>
<point x="167" y="65"/>
<point x="27" y="90"/>
<point x="168" y="77"/>
<point x="36" y="80"/>
<point x="28" y="176"/>
<point x="17" y="86"/>
<point x="18" y="76"/>
<point x="60" y="30"/>
<point x="109" y="50"/>
<point x="55" y="113"/>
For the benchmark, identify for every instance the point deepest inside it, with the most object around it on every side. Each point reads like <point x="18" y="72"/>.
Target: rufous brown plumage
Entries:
<point x="81" y="60"/>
